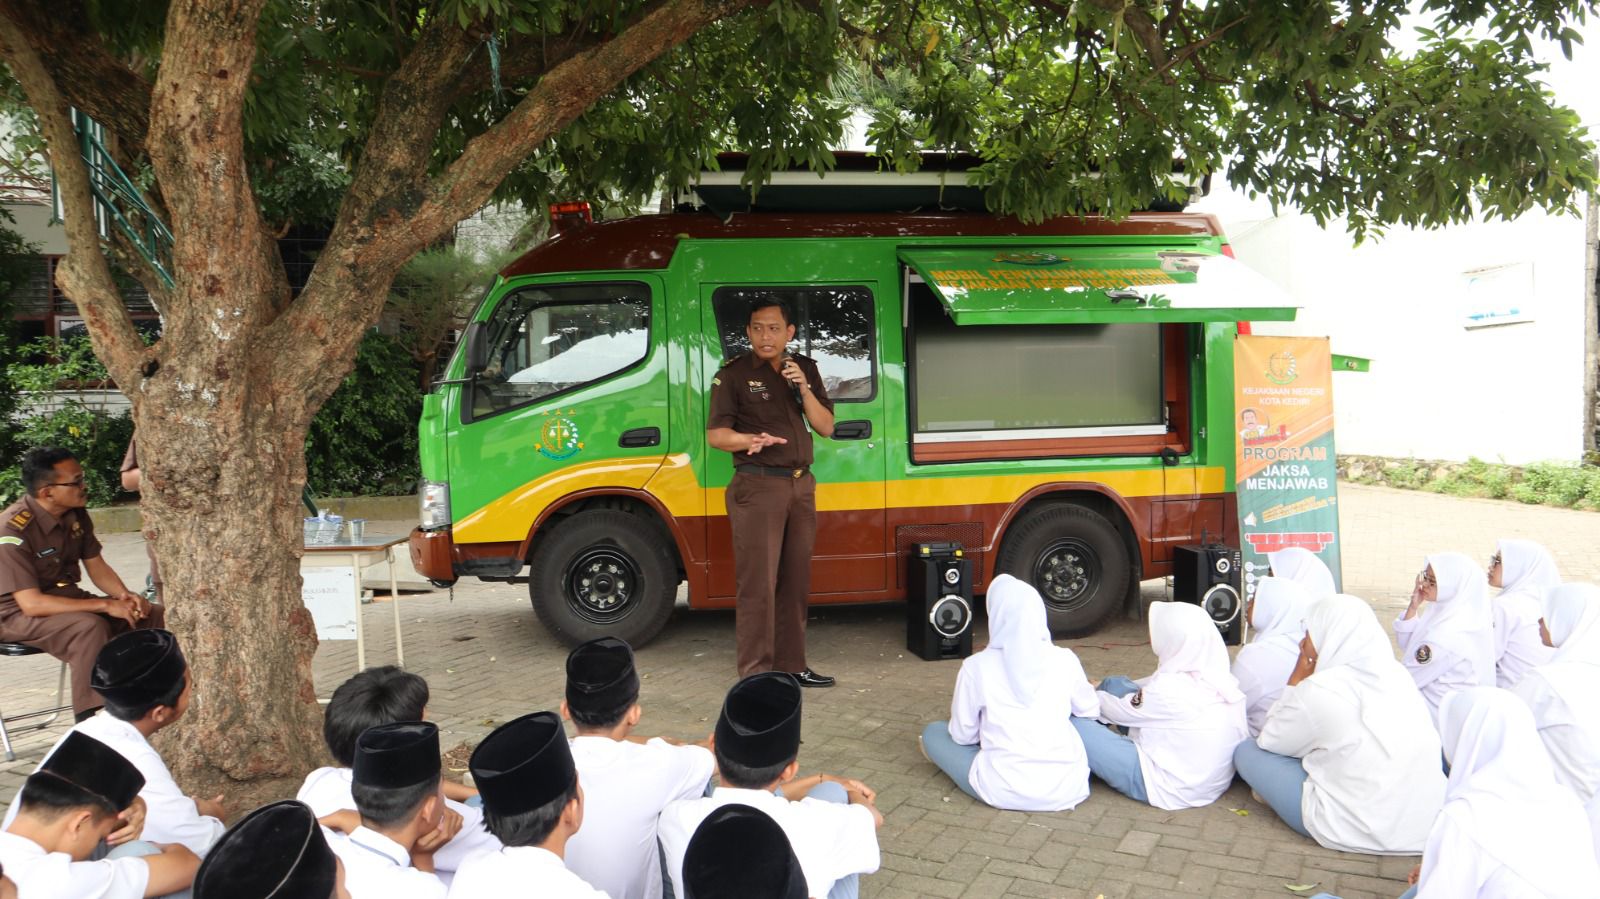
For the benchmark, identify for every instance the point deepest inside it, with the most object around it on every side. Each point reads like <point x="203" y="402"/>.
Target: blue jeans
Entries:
<point x="1279" y="779"/>
<point x="1118" y="686"/>
<point x="1113" y="757"/>
<point x="136" y="849"/>
<point x="954" y="759"/>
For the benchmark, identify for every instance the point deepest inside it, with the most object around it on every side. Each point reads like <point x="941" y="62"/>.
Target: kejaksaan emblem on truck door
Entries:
<point x="558" y="439"/>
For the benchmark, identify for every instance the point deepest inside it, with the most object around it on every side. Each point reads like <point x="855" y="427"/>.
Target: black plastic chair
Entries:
<point x="19" y="649"/>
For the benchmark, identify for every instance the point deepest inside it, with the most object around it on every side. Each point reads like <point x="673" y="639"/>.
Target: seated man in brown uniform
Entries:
<point x="43" y="538"/>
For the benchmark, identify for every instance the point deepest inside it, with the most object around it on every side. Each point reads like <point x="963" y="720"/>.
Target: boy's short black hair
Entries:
<point x="382" y="695"/>
<point x="48" y="796"/>
<point x="391" y="806"/>
<point x="532" y="827"/>
<point x="744" y="777"/>
<point x="134" y="713"/>
<point x="768" y="302"/>
<point x="39" y="466"/>
<point x="600" y="718"/>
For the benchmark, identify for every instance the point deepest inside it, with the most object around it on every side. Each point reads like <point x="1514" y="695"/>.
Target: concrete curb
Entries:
<point x="124" y="519"/>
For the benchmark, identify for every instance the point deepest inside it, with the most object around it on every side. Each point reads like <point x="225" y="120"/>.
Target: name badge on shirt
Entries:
<point x="47" y="551"/>
<point x="1424" y="654"/>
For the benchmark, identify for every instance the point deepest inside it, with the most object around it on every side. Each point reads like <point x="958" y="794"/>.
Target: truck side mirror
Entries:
<point x="477" y="339"/>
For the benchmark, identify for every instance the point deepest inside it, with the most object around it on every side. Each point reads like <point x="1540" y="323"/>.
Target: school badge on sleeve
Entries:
<point x="1138" y="699"/>
<point x="1424" y="654"/>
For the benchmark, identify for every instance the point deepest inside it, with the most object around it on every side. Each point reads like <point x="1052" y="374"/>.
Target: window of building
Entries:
<point x="833" y="327"/>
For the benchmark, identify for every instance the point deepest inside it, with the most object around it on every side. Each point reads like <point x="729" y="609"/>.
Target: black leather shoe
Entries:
<point x="809" y="678"/>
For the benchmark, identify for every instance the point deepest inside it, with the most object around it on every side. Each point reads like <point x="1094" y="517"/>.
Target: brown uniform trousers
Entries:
<point x="774" y="524"/>
<point x="73" y="637"/>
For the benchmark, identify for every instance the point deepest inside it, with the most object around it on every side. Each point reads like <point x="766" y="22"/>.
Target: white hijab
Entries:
<point x="1305" y="568"/>
<point x="1355" y="661"/>
<point x="1020" y="632"/>
<point x="1279" y="611"/>
<point x="1189" y="649"/>
<point x="1527" y="573"/>
<point x="1572" y="616"/>
<point x="1516" y="812"/>
<point x="1460" y="620"/>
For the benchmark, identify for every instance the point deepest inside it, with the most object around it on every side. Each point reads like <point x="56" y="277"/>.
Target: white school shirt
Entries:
<point x="1357" y="797"/>
<point x="1262" y="669"/>
<point x="1031" y="757"/>
<point x="1516" y="633"/>
<point x="1443" y="673"/>
<point x="1185" y="739"/>
<point x="1454" y="866"/>
<point x="376" y="867"/>
<point x="170" y="816"/>
<point x="625" y="787"/>
<point x="831" y="840"/>
<point x="54" y="875"/>
<point x="327" y="790"/>
<point x="1573" y="743"/>
<point x="520" y="871"/>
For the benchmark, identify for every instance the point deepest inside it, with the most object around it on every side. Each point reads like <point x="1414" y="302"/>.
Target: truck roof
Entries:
<point x="648" y="241"/>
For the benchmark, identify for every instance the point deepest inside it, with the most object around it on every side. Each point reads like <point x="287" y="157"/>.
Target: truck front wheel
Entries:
<point x="603" y="573"/>
<point x="1077" y="561"/>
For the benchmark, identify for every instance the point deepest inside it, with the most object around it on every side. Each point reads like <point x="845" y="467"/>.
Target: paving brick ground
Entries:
<point x="487" y="660"/>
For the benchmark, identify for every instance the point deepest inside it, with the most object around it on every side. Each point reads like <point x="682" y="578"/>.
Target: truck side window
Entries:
<point x="548" y="340"/>
<point x="833" y="326"/>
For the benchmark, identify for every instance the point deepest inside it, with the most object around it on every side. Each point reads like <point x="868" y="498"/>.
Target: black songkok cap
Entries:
<point x="394" y="756"/>
<point x="138" y="668"/>
<point x="760" y="721"/>
<point x="275" y="852"/>
<point x="601" y="676"/>
<point x="91" y="765"/>
<point x="524" y="764"/>
<point x="738" y="852"/>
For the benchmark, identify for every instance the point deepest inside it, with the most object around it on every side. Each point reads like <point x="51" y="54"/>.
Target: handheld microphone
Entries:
<point x="793" y="387"/>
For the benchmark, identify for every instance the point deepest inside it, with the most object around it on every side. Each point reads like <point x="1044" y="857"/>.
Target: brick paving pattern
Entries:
<point x="487" y="659"/>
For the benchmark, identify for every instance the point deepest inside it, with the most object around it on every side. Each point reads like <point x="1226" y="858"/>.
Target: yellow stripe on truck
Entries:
<point x="671" y="480"/>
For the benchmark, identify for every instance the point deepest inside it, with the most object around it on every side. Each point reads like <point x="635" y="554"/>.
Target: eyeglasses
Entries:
<point x="75" y="482"/>
<point x="1423" y="577"/>
<point x="1494" y="561"/>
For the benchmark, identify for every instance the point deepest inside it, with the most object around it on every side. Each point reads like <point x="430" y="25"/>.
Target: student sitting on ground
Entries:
<point x="1507" y="828"/>
<point x="1348" y="755"/>
<point x="1277" y="613"/>
<point x="275" y="852"/>
<point x="532" y="803"/>
<point x="1183" y="721"/>
<point x="626" y="781"/>
<point x="65" y="810"/>
<point x="1525" y="572"/>
<point x="1564" y="693"/>
<point x="389" y="843"/>
<point x="1446" y="635"/>
<point x="1009" y="741"/>
<point x="740" y="853"/>
<point x="830" y="821"/>
<point x="387" y="695"/>
<point x="144" y="679"/>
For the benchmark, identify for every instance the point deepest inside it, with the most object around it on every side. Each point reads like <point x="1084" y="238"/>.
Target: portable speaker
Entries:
<point x="1209" y="575"/>
<point x="939" y="602"/>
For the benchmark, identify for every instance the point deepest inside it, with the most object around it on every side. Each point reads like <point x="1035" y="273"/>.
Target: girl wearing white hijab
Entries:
<point x="1009" y="742"/>
<point x="1348" y="756"/>
<point x="1525" y="573"/>
<point x="1305" y="568"/>
<point x="1277" y="613"/>
<point x="1507" y="828"/>
<point x="1565" y="694"/>
<point x="1446" y="636"/>
<point x="1183" y="721"/>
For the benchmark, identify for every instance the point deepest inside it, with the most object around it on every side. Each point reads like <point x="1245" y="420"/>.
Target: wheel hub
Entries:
<point x="601" y="582"/>
<point x="1066" y="573"/>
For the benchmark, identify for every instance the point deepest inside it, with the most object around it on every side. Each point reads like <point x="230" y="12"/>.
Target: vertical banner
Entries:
<point x="1283" y="415"/>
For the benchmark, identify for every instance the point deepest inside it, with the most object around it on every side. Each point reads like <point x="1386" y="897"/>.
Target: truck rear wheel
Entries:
<point x="603" y="573"/>
<point x="1077" y="561"/>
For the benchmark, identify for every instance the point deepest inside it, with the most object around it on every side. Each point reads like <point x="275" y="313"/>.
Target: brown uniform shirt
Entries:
<point x="130" y="459"/>
<point x="40" y="551"/>
<point x="751" y="397"/>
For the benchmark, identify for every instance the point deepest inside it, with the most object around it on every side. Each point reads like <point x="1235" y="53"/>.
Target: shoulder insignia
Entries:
<point x="1138" y="699"/>
<point x="20" y="520"/>
<point x="716" y="382"/>
<point x="1424" y="654"/>
<point x="9" y="540"/>
<point x="76" y="530"/>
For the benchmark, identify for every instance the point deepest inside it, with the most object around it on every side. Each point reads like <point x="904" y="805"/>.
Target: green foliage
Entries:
<point x="98" y="438"/>
<point x="364" y="439"/>
<point x="1559" y="484"/>
<point x="1566" y="484"/>
<point x="433" y="293"/>
<point x="17" y="259"/>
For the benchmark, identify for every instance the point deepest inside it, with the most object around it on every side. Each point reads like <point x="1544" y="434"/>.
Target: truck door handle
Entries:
<point x="640" y="437"/>
<point x="857" y="429"/>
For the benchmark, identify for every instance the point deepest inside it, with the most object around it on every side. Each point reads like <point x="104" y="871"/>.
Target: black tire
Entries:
<point x="603" y="573"/>
<point x="1077" y="561"/>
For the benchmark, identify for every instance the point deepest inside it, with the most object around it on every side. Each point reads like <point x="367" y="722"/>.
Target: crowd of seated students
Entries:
<point x="1475" y="748"/>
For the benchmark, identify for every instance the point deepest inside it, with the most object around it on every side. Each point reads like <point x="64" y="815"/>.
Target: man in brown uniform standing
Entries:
<point x="761" y="403"/>
<point x="43" y="538"/>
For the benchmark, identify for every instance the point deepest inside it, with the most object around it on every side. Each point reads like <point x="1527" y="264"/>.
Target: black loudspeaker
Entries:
<point x="939" y="602"/>
<point x="1209" y="575"/>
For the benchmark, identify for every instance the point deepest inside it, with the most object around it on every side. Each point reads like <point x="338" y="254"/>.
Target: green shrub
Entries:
<point x="1406" y="476"/>
<point x="99" y="439"/>
<point x="364" y="439"/>
<point x="1559" y="484"/>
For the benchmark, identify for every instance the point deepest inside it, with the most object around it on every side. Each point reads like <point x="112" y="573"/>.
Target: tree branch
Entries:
<point x="83" y="275"/>
<point x="84" y="73"/>
<point x="1141" y="26"/>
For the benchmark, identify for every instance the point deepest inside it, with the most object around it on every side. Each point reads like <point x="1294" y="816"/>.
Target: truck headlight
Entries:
<point x="435" y="504"/>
